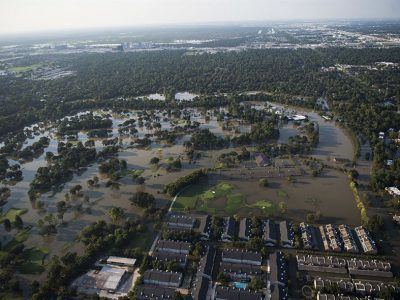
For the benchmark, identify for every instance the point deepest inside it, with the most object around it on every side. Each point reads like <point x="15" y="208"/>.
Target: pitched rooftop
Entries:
<point x="227" y="293"/>
<point x="245" y="229"/>
<point x="173" y="246"/>
<point x="241" y="256"/>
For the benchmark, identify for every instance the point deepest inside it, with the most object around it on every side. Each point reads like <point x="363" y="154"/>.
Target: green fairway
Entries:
<point x="234" y="203"/>
<point x="143" y="240"/>
<point x="33" y="261"/>
<point x="282" y="194"/>
<point x="12" y="213"/>
<point x="21" y="69"/>
<point x="20" y="237"/>
<point x="217" y="199"/>
<point x="221" y="199"/>
<point x="135" y="173"/>
<point x="10" y="295"/>
<point x="266" y="206"/>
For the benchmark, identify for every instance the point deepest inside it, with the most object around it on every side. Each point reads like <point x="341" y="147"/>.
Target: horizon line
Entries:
<point x="91" y="29"/>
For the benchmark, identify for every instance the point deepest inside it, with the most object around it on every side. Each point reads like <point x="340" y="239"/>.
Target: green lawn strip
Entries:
<point x="135" y="173"/>
<point x="67" y="246"/>
<point x="199" y="197"/>
<point x="12" y="213"/>
<point x="20" y="69"/>
<point x="282" y="194"/>
<point x="20" y="237"/>
<point x="222" y="189"/>
<point x="169" y="160"/>
<point x="33" y="261"/>
<point x="234" y="203"/>
<point x="10" y="295"/>
<point x="142" y="240"/>
<point x="188" y="198"/>
<point x="2" y="254"/>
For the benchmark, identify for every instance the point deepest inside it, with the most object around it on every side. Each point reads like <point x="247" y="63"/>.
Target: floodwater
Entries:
<point x="333" y="140"/>
<point x="101" y="199"/>
<point x="185" y="96"/>
<point x="329" y="194"/>
<point x="331" y="188"/>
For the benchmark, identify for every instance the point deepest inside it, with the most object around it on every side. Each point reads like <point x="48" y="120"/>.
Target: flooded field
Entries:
<point x="333" y="140"/>
<point x="328" y="193"/>
<point x="325" y="195"/>
<point x="100" y="199"/>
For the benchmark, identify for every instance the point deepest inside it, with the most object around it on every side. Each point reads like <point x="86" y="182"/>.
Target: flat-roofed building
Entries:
<point x="173" y="246"/>
<point x="245" y="229"/>
<point x="121" y="261"/>
<point x="239" y="256"/>
<point x="163" y="278"/>
<point x="330" y="238"/>
<point x="307" y="236"/>
<point x="374" y="268"/>
<point x="108" y="279"/>
<point x="349" y="242"/>
<point x="228" y="230"/>
<point x="344" y="286"/>
<point x="270" y="235"/>
<point x="367" y="243"/>
<point x="321" y="264"/>
<point x="321" y="296"/>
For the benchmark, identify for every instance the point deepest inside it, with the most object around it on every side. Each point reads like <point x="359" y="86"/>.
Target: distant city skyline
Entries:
<point x="19" y="16"/>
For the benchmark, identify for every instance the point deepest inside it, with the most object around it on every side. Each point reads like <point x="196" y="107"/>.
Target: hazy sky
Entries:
<point x="38" y="15"/>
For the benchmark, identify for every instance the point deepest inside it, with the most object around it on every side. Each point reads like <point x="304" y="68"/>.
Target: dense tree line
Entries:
<point x="99" y="238"/>
<point x="174" y="187"/>
<point x="204" y="139"/>
<point x="60" y="167"/>
<point x="111" y="75"/>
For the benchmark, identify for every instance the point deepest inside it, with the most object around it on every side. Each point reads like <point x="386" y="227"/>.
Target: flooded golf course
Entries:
<point x="327" y="193"/>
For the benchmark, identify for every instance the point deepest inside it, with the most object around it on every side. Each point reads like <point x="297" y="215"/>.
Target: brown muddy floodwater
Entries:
<point x="328" y="193"/>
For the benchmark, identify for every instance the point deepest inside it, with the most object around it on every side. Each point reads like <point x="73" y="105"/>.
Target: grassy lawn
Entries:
<point x="234" y="203"/>
<point x="221" y="199"/>
<point x="142" y="240"/>
<point x="12" y="213"/>
<point x="282" y="194"/>
<point x="135" y="173"/>
<point x="2" y="254"/>
<point x="24" y="68"/>
<point x="20" y="237"/>
<point x="215" y="199"/>
<point x="33" y="261"/>
<point x="266" y="206"/>
<point x="8" y="296"/>
<point x="188" y="198"/>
